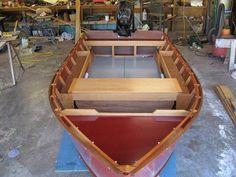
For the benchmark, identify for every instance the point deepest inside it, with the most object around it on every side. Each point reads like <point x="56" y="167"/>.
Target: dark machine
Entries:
<point x="125" y="18"/>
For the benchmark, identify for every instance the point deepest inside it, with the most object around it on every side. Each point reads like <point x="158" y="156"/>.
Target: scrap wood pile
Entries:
<point x="228" y="99"/>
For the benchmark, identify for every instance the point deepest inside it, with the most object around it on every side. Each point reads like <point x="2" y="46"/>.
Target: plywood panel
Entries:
<point x="125" y="89"/>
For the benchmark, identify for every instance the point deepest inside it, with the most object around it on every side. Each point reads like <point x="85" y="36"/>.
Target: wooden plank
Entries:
<point x="123" y="43"/>
<point x="164" y="66"/>
<point x="227" y="92"/>
<point x="125" y="106"/>
<point x="233" y="102"/>
<point x="125" y="89"/>
<point x="226" y="96"/>
<point x="183" y="100"/>
<point x="85" y="65"/>
<point x="93" y="112"/>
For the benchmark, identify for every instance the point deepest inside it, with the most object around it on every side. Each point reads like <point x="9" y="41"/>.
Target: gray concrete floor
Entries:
<point x="208" y="149"/>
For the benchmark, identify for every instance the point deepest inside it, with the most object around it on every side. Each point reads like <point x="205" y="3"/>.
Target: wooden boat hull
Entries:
<point x="125" y="126"/>
<point x="99" y="169"/>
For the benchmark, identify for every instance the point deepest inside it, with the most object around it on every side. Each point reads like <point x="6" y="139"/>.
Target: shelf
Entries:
<point x="190" y="7"/>
<point x="24" y="8"/>
<point x="181" y="19"/>
<point x="104" y="7"/>
<point x="20" y="24"/>
<point x="100" y="22"/>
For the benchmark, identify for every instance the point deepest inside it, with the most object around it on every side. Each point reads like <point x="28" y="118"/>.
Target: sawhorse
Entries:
<point x="11" y="55"/>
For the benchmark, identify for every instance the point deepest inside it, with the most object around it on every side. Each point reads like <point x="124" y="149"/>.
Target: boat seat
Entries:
<point x="125" y="89"/>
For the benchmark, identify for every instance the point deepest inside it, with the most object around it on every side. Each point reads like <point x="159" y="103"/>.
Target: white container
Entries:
<point x="107" y="18"/>
<point x="24" y="42"/>
<point x="144" y="14"/>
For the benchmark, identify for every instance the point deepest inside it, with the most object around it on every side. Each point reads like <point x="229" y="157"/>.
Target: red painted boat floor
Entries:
<point x="125" y="139"/>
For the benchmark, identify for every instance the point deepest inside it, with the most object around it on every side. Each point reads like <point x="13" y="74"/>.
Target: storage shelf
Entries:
<point x="24" y="8"/>
<point x="191" y="7"/>
<point x="99" y="22"/>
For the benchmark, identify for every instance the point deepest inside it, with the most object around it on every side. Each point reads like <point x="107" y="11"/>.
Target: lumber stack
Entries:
<point x="228" y="99"/>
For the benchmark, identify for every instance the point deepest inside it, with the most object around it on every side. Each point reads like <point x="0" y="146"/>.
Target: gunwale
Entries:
<point x="56" y="97"/>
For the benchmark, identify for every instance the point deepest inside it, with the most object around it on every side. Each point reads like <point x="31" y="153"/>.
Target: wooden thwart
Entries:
<point x="228" y="100"/>
<point x="93" y="112"/>
<point x="125" y="89"/>
<point x="92" y="43"/>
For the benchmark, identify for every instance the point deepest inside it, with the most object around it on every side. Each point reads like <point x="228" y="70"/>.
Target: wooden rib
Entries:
<point x="62" y="80"/>
<point x="68" y="70"/>
<point x="167" y="48"/>
<point x="81" y="47"/>
<point x="93" y="112"/>
<point x="193" y="91"/>
<point x="82" y="53"/>
<point x="85" y="46"/>
<point x="182" y="69"/>
<point x="176" y="60"/>
<point x="73" y="60"/>
<point x="188" y="80"/>
<point x="57" y="92"/>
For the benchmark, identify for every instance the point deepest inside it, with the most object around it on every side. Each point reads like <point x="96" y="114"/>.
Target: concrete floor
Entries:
<point x="208" y="149"/>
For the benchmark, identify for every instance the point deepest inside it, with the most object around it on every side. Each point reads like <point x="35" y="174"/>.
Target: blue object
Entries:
<point x="13" y="153"/>
<point x="170" y="169"/>
<point x="68" y="159"/>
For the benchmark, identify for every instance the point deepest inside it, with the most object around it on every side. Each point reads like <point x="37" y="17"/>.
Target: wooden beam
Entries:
<point x="183" y="100"/>
<point x="124" y="43"/>
<point x="125" y="89"/>
<point x="77" y="21"/>
<point x="93" y="112"/>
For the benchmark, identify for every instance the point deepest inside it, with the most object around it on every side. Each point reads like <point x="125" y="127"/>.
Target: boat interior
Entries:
<point x="125" y="96"/>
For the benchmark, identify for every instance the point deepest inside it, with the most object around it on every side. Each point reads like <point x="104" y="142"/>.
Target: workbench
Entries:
<point x="230" y="44"/>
